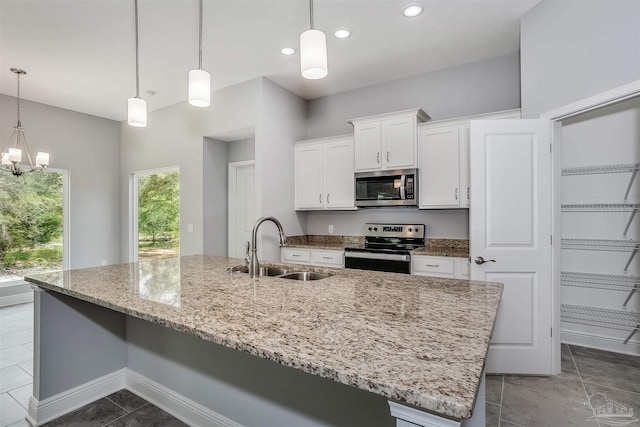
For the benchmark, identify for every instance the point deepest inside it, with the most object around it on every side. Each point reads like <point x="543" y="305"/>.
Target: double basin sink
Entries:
<point x="284" y="273"/>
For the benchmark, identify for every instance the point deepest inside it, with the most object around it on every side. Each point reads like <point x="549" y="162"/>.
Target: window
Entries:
<point x="156" y="214"/>
<point x="32" y="225"/>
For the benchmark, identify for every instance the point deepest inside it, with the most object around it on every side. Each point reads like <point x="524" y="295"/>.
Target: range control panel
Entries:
<point x="394" y="230"/>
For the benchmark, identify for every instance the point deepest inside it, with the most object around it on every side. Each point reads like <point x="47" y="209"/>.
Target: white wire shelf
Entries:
<point x="604" y="245"/>
<point x="601" y="245"/>
<point x="600" y="317"/>
<point x="613" y="282"/>
<point x="601" y="207"/>
<point x="601" y="169"/>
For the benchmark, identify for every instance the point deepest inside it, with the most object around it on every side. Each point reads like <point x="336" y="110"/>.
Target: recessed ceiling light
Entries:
<point x="342" y="33"/>
<point x="287" y="51"/>
<point x="412" y="10"/>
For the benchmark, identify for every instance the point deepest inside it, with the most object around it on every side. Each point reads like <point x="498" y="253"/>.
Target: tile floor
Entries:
<point x="512" y="401"/>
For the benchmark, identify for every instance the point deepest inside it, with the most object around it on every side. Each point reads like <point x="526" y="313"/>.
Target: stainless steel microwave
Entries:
<point x="387" y="188"/>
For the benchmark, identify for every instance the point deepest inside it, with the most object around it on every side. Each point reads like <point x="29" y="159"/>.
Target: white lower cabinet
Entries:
<point x="435" y="266"/>
<point x="317" y="257"/>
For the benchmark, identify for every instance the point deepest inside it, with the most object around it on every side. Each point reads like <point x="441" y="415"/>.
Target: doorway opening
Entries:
<point x="155" y="214"/>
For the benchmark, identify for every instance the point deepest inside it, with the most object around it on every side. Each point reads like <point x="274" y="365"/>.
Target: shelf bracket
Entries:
<point x="633" y="254"/>
<point x="632" y="333"/>
<point x="633" y="214"/>
<point x="633" y="290"/>
<point x="633" y="177"/>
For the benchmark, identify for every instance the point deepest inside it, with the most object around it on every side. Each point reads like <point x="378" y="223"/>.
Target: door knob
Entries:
<point x="480" y="260"/>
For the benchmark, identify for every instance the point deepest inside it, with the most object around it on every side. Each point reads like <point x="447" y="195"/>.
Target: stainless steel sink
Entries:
<point x="266" y="271"/>
<point x="305" y="275"/>
<point x="284" y="273"/>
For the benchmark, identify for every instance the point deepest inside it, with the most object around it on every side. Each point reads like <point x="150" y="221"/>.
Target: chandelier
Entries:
<point x="12" y="155"/>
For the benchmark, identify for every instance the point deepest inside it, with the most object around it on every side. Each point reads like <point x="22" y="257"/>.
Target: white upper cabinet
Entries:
<point x="443" y="161"/>
<point x="324" y="174"/>
<point x="387" y="141"/>
<point x="443" y="166"/>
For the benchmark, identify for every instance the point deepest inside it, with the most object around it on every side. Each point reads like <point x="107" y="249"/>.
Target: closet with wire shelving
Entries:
<point x="600" y="246"/>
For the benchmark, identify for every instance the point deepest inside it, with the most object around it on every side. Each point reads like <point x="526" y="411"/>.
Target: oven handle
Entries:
<point x="371" y="255"/>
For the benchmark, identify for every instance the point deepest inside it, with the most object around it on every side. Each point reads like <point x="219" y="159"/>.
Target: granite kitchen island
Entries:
<point x="216" y="348"/>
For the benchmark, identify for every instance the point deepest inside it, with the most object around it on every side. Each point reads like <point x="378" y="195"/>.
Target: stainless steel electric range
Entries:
<point x="387" y="247"/>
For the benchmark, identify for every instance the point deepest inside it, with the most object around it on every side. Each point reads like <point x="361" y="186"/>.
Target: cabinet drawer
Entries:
<point x="435" y="265"/>
<point x="296" y="255"/>
<point x="333" y="258"/>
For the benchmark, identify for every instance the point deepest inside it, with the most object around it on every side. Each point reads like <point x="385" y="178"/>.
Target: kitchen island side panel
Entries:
<point x="79" y="342"/>
<point x="249" y="390"/>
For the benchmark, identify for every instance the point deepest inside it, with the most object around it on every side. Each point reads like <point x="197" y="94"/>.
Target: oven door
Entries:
<point x="392" y="263"/>
<point x="386" y="188"/>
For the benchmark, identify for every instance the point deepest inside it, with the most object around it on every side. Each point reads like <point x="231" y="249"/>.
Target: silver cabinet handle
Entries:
<point x="320" y="198"/>
<point x="326" y="257"/>
<point x="296" y="255"/>
<point x="433" y="265"/>
<point x="456" y="194"/>
<point x="328" y="198"/>
<point x="378" y="157"/>
<point x="387" y="157"/>
<point x="468" y="196"/>
<point x="479" y="260"/>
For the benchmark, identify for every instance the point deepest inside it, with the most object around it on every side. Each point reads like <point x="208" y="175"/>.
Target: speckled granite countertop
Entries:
<point x="434" y="247"/>
<point x="417" y="340"/>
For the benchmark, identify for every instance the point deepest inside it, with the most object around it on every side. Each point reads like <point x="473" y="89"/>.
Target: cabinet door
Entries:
<point x="368" y="146"/>
<point x="439" y="173"/>
<point x="465" y="186"/>
<point x="338" y="172"/>
<point x="309" y="181"/>
<point x="399" y="136"/>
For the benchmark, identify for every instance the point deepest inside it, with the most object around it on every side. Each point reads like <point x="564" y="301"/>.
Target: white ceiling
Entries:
<point x="80" y="54"/>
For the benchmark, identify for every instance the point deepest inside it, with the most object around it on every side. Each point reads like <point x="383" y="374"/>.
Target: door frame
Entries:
<point x="231" y="202"/>
<point x="555" y="117"/>
<point x="133" y="206"/>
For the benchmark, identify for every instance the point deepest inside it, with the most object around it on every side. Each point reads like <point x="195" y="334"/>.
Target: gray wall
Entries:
<point x="77" y="343"/>
<point x="479" y="87"/>
<point x="88" y="147"/>
<point x="241" y="150"/>
<point x="174" y="137"/>
<point x="249" y="390"/>
<point x="215" y="203"/>
<point x="282" y="122"/>
<point x="573" y="49"/>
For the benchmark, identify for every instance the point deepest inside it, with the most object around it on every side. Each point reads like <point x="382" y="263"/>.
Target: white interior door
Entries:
<point x="510" y="223"/>
<point x="241" y="206"/>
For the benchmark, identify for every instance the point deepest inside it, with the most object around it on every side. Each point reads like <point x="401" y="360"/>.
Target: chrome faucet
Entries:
<point x="254" y="264"/>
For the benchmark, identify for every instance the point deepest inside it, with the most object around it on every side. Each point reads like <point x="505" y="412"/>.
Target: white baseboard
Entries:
<point x="181" y="407"/>
<point x="176" y="404"/>
<point x="43" y="411"/>
<point x="600" y="342"/>
<point x="8" y="300"/>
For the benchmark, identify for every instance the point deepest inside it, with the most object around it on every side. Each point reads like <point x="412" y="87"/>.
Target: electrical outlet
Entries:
<point x="189" y="228"/>
<point x="104" y="262"/>
<point x="331" y="229"/>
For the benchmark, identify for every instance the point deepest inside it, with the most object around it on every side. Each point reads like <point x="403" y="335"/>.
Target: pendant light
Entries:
<point x="199" y="80"/>
<point x="313" y="51"/>
<point x="137" y="107"/>
<point x="12" y="155"/>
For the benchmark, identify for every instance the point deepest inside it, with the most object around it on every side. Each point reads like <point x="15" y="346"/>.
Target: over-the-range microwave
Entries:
<point x="387" y="188"/>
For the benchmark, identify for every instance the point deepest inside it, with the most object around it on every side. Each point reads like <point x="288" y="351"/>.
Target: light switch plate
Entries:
<point x="189" y="228"/>
<point x="331" y="229"/>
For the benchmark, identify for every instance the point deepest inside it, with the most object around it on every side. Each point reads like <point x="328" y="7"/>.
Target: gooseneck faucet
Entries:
<point x="254" y="264"/>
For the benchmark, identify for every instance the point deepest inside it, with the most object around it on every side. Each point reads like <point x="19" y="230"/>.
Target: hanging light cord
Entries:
<point x="311" y="14"/>
<point x="137" y="64"/>
<point x="18" y="101"/>
<point x="200" y="39"/>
